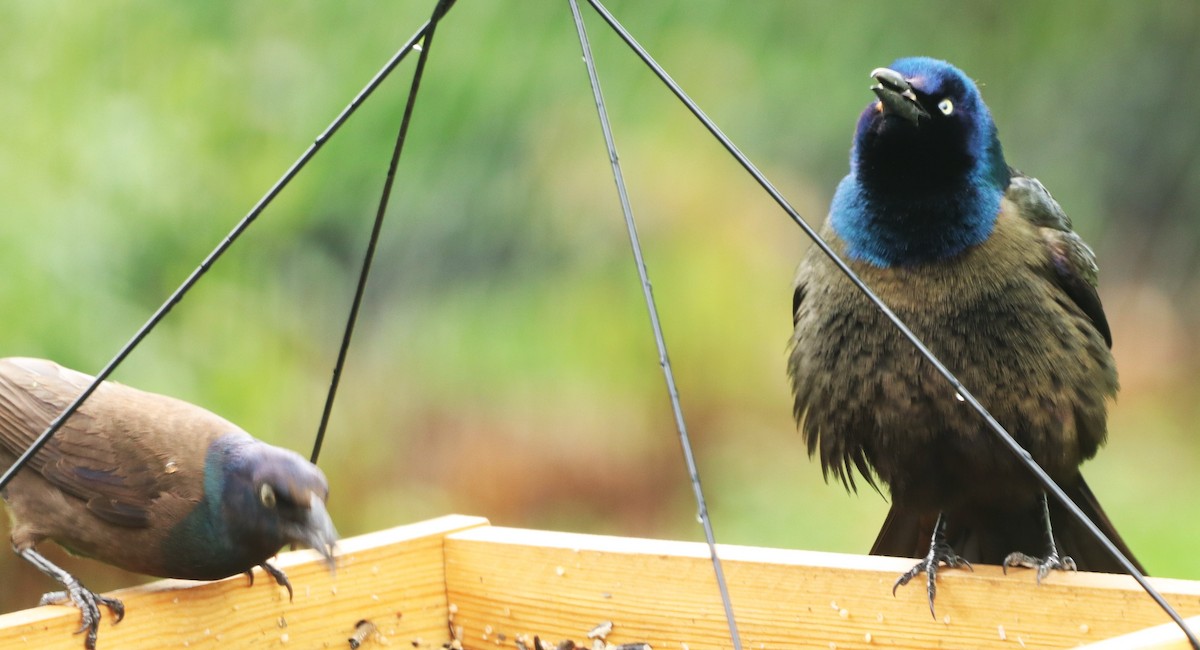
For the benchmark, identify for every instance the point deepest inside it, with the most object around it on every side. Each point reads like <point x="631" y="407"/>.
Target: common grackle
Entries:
<point x="982" y="264"/>
<point x="150" y="484"/>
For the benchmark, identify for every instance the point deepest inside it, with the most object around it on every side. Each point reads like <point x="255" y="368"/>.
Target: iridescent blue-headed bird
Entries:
<point x="983" y="265"/>
<point x="149" y="484"/>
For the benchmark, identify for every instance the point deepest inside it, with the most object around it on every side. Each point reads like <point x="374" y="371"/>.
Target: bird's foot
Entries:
<point x="1052" y="560"/>
<point x="89" y="603"/>
<point x="939" y="553"/>
<point x="1043" y="565"/>
<point x="280" y="577"/>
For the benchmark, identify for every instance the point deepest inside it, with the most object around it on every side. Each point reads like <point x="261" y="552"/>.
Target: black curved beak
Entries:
<point x="896" y="95"/>
<point x="316" y="531"/>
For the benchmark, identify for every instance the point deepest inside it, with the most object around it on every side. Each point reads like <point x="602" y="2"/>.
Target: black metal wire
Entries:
<point x="352" y="318"/>
<point x="213" y="256"/>
<point x="1004" y="436"/>
<point x="656" y="325"/>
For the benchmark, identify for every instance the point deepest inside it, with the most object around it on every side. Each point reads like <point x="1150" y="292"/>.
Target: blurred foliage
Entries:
<point x="503" y="365"/>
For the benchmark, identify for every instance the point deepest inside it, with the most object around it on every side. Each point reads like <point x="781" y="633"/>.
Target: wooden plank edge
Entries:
<point x="1160" y="637"/>
<point x="394" y="577"/>
<point x="505" y="583"/>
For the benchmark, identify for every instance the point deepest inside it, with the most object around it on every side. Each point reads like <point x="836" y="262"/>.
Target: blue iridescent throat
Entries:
<point x="898" y="231"/>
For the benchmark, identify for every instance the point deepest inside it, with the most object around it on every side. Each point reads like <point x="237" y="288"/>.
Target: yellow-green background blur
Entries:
<point x="503" y="365"/>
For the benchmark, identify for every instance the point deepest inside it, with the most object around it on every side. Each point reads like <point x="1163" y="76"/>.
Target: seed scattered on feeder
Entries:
<point x="844" y="613"/>
<point x="597" y="635"/>
<point x="362" y="630"/>
<point x="1083" y="628"/>
<point x="601" y="631"/>
<point x="1003" y="635"/>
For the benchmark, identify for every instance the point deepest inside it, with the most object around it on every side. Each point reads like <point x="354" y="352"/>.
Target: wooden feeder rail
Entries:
<point x="456" y="575"/>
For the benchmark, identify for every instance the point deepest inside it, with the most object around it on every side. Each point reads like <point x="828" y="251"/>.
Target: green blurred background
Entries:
<point x="503" y="365"/>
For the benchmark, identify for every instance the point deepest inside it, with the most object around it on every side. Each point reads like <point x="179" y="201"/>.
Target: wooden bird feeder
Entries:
<point x="457" y="578"/>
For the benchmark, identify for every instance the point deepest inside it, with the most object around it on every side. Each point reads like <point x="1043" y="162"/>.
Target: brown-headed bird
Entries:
<point x="148" y="483"/>
<point x="982" y="264"/>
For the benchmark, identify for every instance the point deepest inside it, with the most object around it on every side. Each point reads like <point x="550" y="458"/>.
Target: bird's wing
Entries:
<point x="91" y="458"/>
<point x="1073" y="262"/>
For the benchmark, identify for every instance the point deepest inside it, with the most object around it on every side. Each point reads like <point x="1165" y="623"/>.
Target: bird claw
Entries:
<point x="280" y="577"/>
<point x="939" y="553"/>
<point x="1044" y="566"/>
<point x="88" y="602"/>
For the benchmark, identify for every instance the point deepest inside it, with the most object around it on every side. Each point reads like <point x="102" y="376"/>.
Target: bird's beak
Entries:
<point x="318" y="532"/>
<point x="896" y="95"/>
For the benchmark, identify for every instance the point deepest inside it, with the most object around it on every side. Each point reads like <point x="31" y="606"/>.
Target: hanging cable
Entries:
<point x="213" y="256"/>
<point x="352" y="318"/>
<point x="956" y="386"/>
<point x="656" y="325"/>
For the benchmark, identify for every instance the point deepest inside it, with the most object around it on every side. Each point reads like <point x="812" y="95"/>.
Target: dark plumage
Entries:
<point x="982" y="264"/>
<point x="148" y="483"/>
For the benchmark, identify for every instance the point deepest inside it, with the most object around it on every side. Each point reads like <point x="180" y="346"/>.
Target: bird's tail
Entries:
<point x="988" y="537"/>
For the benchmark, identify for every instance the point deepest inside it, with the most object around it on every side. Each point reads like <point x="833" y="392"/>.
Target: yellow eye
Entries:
<point x="946" y="106"/>
<point x="266" y="494"/>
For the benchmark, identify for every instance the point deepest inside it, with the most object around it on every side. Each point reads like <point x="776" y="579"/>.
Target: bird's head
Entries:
<point x="291" y="494"/>
<point x="272" y="497"/>
<point x="927" y="130"/>
<point x="927" y="173"/>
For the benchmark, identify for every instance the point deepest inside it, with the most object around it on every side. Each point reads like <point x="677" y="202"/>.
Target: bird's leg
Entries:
<point x="939" y="553"/>
<point x="1052" y="559"/>
<point x="280" y="577"/>
<point x="86" y="600"/>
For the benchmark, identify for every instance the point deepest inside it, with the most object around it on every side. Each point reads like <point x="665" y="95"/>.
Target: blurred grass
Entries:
<point x="503" y="365"/>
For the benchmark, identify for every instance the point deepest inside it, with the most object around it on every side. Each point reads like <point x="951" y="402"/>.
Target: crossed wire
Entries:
<point x="212" y="258"/>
